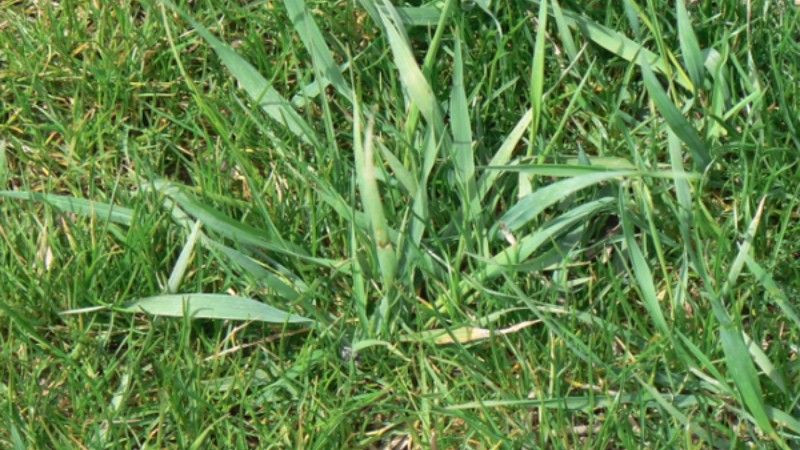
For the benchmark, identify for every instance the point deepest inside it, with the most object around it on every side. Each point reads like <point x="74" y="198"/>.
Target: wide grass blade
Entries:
<point x="212" y="306"/>
<point x="534" y="203"/>
<point x="321" y="55"/>
<point x="527" y="245"/>
<point x="253" y="83"/>
<point x="737" y="354"/>
<point x="371" y="199"/>
<point x="460" y="123"/>
<point x="692" y="56"/>
<point x="80" y="206"/>
<point x="563" y="31"/>
<point x="679" y="125"/>
<point x="411" y="76"/>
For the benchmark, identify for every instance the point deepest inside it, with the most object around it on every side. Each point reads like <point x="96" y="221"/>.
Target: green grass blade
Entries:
<point x="244" y="234"/>
<point x="737" y="354"/>
<point x="642" y="272"/>
<point x="253" y="83"/>
<point x="212" y="306"/>
<point x="618" y="44"/>
<point x="263" y="276"/>
<point x="534" y="203"/>
<point x="4" y="173"/>
<point x="526" y="246"/>
<point x="537" y="70"/>
<point x="80" y="206"/>
<point x="321" y="55"/>
<point x="679" y="125"/>
<point x="563" y="31"/>
<point x="415" y="16"/>
<point x="411" y="76"/>
<point x="460" y="123"/>
<point x="690" y="49"/>
<point x="775" y="292"/>
<point x="503" y="154"/>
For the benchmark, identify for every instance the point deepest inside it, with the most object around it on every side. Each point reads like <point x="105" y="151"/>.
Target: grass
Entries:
<point x="502" y="224"/>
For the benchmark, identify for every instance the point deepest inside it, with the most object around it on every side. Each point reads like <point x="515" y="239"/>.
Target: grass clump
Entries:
<point x="399" y="225"/>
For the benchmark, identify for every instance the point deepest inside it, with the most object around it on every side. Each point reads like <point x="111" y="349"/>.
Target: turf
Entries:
<point x="353" y="224"/>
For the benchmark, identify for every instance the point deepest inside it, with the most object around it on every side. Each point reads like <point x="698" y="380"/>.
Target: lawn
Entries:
<point x="373" y="224"/>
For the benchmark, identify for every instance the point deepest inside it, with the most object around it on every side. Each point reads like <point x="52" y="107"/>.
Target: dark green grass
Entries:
<point x="640" y="304"/>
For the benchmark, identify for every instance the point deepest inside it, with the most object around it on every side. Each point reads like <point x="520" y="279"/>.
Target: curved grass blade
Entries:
<point x="321" y="55"/>
<point x="534" y="203"/>
<point x="679" y="125"/>
<point x="212" y="306"/>
<point x="254" y="84"/>
<point x="245" y="234"/>
<point x="411" y="76"/>
<point x="532" y="242"/>
<point x="80" y="206"/>
<point x="503" y="154"/>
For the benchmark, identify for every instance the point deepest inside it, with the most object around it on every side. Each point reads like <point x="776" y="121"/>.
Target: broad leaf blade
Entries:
<point x="692" y="56"/>
<point x="534" y="203"/>
<point x="212" y="306"/>
<point x="80" y="206"/>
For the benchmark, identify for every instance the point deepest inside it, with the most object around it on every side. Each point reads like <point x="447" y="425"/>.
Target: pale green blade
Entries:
<point x="411" y="76"/>
<point x="461" y="125"/>
<point x="370" y="197"/>
<point x="212" y="306"/>
<point x="184" y="258"/>
<point x="503" y="154"/>
<point x="312" y="39"/>
<point x="80" y="206"/>
<point x="690" y="49"/>
<point x="534" y="203"/>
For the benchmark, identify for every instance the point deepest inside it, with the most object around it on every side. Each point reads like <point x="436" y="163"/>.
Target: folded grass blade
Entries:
<point x="371" y="199"/>
<point x="182" y="263"/>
